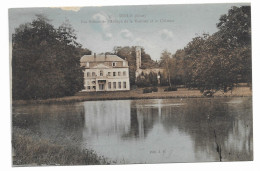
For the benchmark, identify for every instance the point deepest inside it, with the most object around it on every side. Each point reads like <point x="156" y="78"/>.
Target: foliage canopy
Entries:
<point x="219" y="61"/>
<point x="45" y="61"/>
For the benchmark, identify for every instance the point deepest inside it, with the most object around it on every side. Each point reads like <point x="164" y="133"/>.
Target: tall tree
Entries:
<point x="166" y="63"/>
<point x="45" y="61"/>
<point x="235" y="33"/>
<point x="219" y="61"/>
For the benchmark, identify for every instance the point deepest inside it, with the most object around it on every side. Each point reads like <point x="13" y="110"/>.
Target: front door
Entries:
<point x="101" y="87"/>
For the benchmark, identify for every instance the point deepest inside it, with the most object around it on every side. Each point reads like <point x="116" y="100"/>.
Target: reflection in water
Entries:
<point x="173" y="130"/>
<point x="148" y="131"/>
<point x="106" y="118"/>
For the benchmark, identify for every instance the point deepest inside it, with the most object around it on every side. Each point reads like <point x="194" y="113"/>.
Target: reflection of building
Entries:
<point x="107" y="117"/>
<point x="105" y="73"/>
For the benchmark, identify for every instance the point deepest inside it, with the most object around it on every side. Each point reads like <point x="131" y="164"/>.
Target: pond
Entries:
<point x="148" y="131"/>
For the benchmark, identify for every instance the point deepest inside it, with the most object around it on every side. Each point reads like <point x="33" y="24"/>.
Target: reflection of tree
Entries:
<point x="142" y="121"/>
<point x="59" y="123"/>
<point x="200" y="117"/>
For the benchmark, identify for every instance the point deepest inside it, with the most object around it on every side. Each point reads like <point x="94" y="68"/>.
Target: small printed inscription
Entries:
<point x="157" y="151"/>
<point x="128" y="19"/>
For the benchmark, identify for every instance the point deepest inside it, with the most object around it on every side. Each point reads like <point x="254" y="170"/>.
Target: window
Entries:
<point x="124" y="73"/>
<point x="113" y="64"/>
<point x="109" y="73"/>
<point x="114" y="85"/>
<point x="87" y="64"/>
<point x="88" y="87"/>
<point x="93" y="82"/>
<point x="119" y="84"/>
<point x="101" y="73"/>
<point x="124" y="84"/>
<point x="94" y="87"/>
<point x="88" y="74"/>
<point x="93" y="74"/>
<point x="109" y="85"/>
<point x="114" y="73"/>
<point x="119" y="73"/>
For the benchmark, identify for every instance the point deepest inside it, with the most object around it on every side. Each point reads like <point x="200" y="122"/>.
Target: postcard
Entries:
<point x="137" y="84"/>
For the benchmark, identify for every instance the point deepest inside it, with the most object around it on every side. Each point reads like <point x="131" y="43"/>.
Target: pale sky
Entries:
<point x="153" y="33"/>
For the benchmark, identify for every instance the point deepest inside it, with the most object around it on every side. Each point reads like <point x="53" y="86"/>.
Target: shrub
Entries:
<point x="147" y="90"/>
<point x="150" y="90"/>
<point x="154" y="89"/>
<point x="171" y="89"/>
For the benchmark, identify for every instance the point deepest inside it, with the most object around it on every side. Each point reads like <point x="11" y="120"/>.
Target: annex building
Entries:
<point x="139" y="71"/>
<point x="105" y="73"/>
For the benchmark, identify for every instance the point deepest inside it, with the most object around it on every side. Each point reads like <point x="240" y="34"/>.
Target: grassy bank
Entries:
<point x="30" y="149"/>
<point x="136" y="94"/>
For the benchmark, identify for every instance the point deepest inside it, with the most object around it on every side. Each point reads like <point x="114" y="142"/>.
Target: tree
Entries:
<point x="147" y="80"/>
<point x="45" y="61"/>
<point x="219" y="61"/>
<point x="235" y="33"/>
<point x="166" y="63"/>
<point x="147" y="62"/>
<point x="227" y="53"/>
<point x="179" y="70"/>
<point x="235" y="27"/>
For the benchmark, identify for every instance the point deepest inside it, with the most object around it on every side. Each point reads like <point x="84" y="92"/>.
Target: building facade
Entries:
<point x="105" y="73"/>
<point x="139" y="71"/>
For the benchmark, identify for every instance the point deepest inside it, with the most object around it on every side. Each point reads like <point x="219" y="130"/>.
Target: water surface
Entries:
<point x="148" y="131"/>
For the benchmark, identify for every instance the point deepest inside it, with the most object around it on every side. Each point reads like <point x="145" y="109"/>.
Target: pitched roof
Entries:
<point x="100" y="58"/>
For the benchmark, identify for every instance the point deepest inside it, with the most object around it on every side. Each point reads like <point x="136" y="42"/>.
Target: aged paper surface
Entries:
<point x="149" y="84"/>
